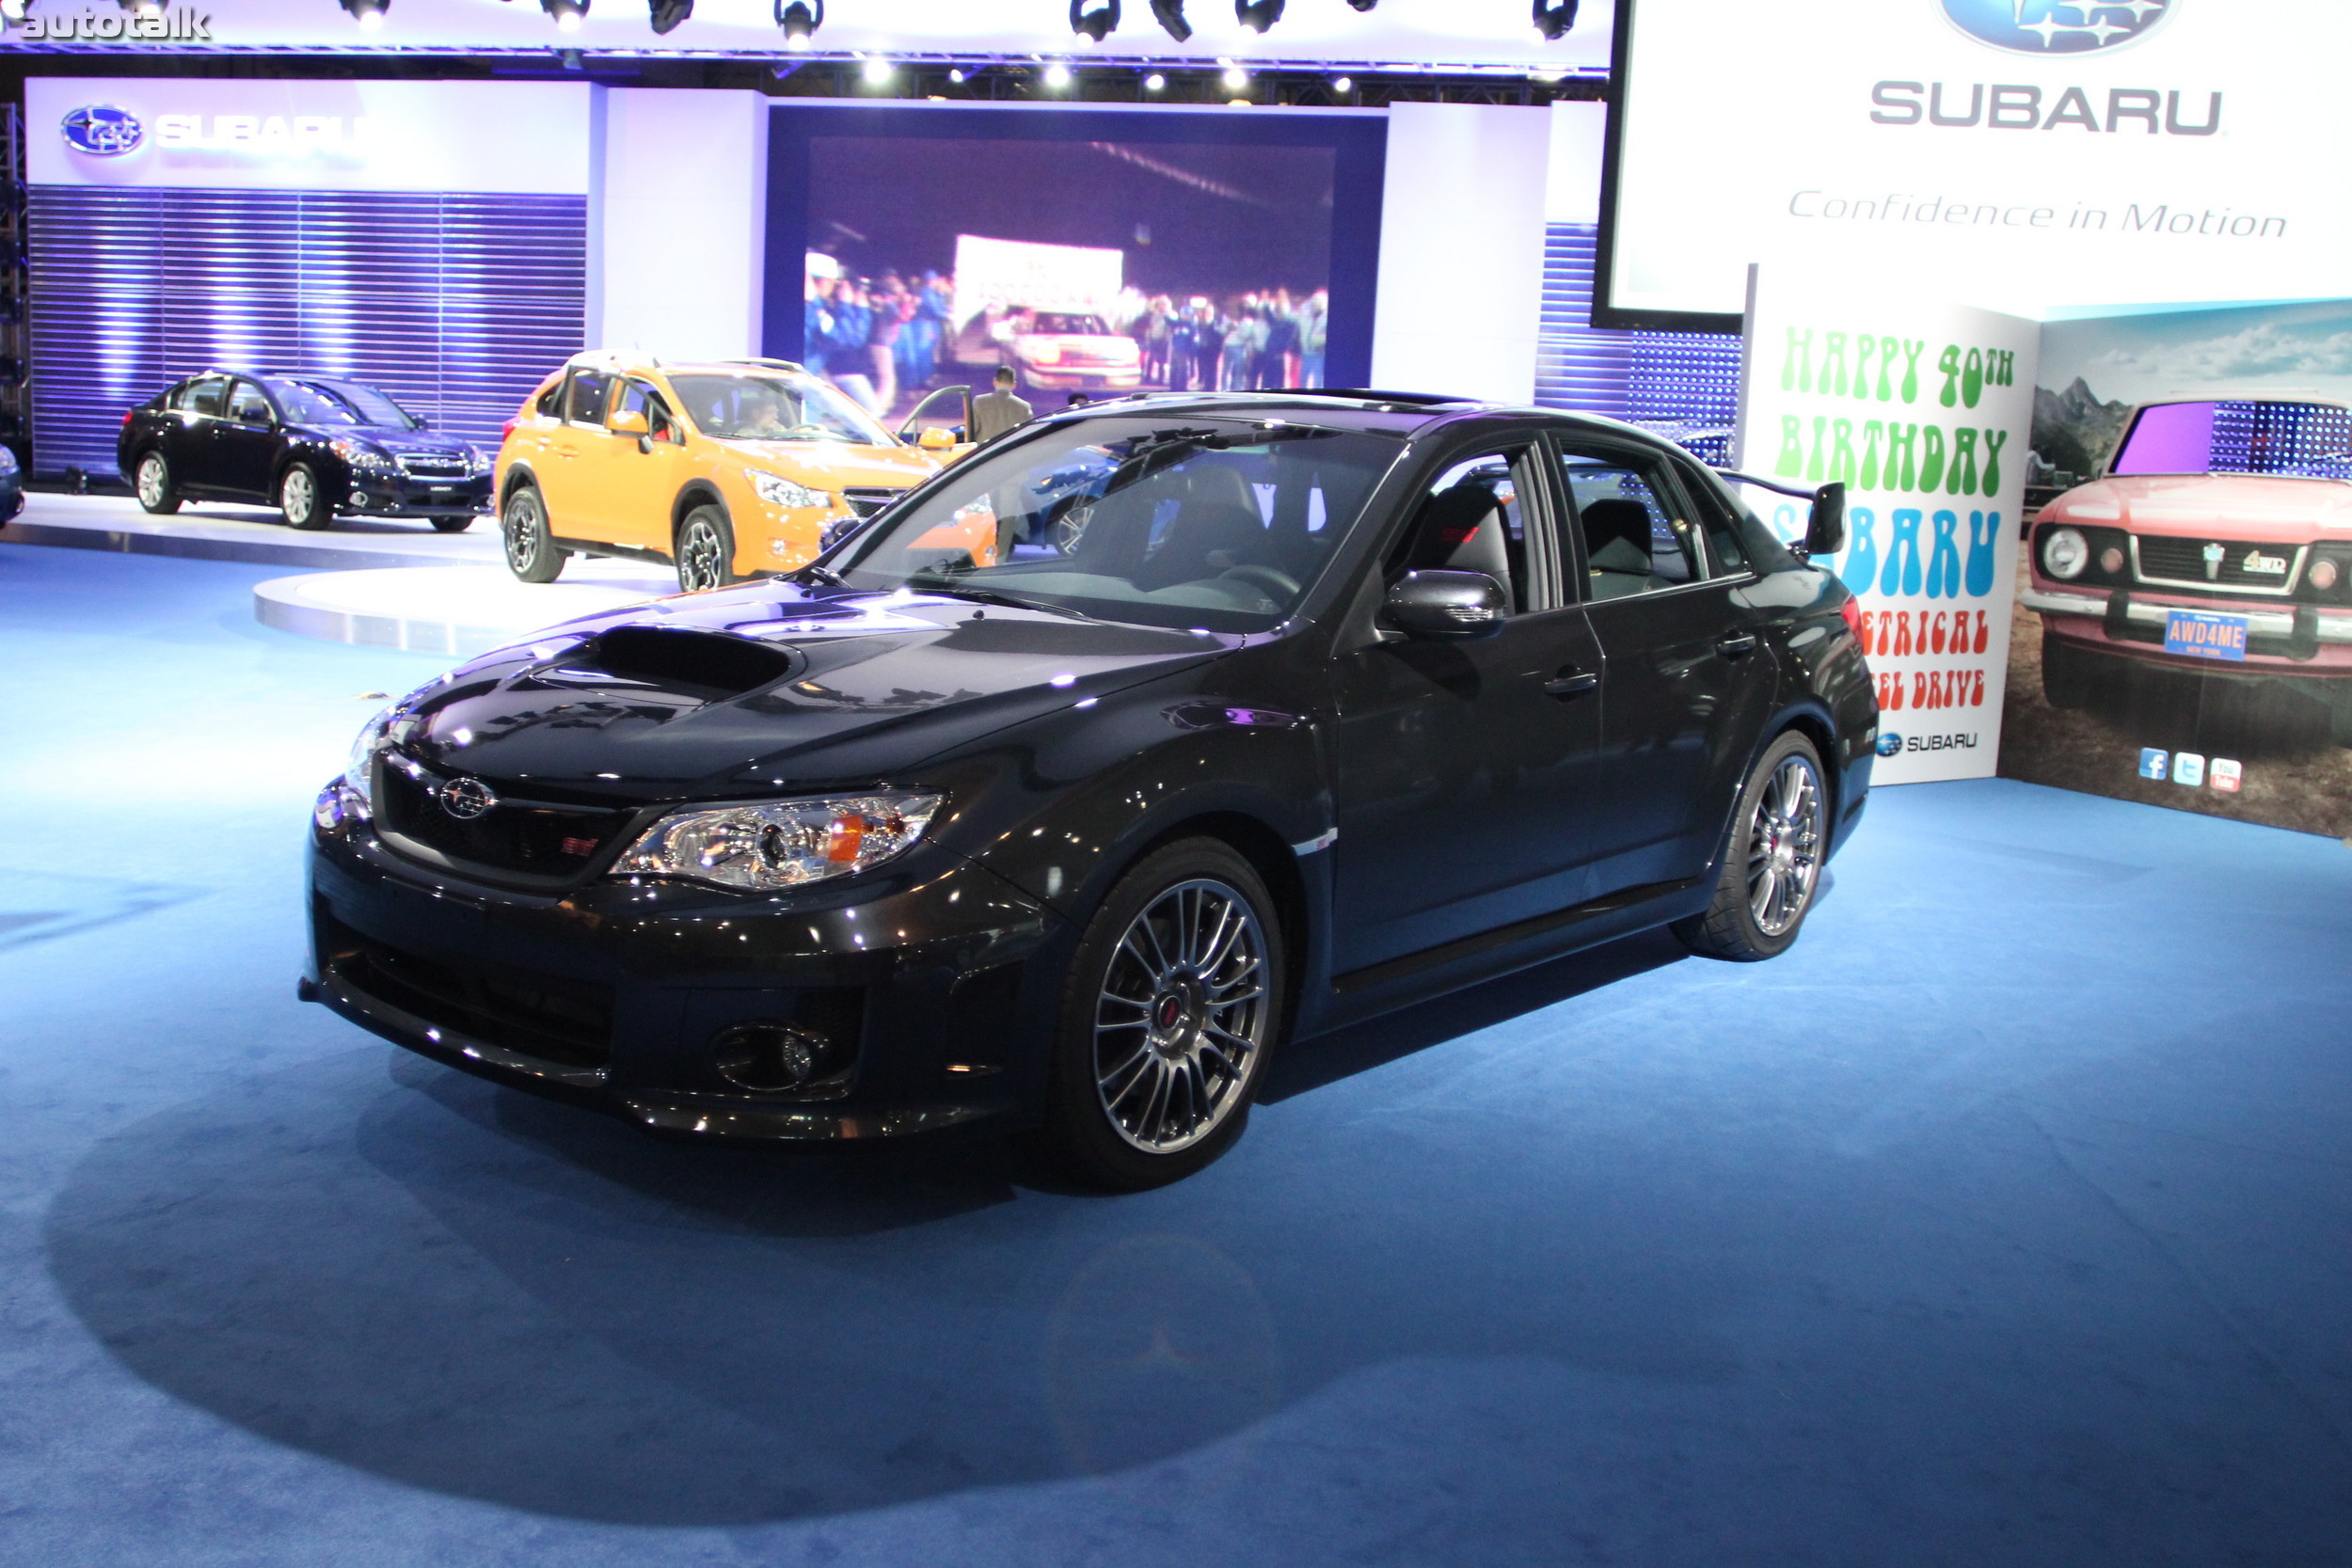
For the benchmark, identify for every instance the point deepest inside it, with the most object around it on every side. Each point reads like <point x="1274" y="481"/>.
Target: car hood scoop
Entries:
<point x="751" y="690"/>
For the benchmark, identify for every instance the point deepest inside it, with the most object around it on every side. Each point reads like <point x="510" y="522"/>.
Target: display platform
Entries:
<point x="457" y="611"/>
<point x="208" y="532"/>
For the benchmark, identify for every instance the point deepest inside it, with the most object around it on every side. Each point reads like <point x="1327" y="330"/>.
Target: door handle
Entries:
<point x="1571" y="682"/>
<point x="1737" y="643"/>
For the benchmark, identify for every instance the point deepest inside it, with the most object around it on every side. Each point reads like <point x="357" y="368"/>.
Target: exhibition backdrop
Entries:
<point x="2264" y="390"/>
<point x="429" y="237"/>
<point x="2018" y="153"/>
<point x="1922" y="410"/>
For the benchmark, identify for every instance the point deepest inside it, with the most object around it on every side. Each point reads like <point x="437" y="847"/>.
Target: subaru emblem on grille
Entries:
<point x="2213" y="562"/>
<point x="466" y="799"/>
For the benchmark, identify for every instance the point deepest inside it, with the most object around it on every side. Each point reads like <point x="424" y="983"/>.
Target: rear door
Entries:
<point x="245" y="443"/>
<point x="1690" y="676"/>
<point x="573" y="459"/>
<point x="188" y="433"/>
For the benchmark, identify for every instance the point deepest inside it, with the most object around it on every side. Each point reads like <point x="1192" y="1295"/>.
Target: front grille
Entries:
<point x="867" y="500"/>
<point x="421" y="464"/>
<point x="566" y="1022"/>
<point x="2182" y="563"/>
<point x="530" y="837"/>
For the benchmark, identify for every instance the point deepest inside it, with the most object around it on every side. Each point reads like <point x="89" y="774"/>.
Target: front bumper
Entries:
<point x="376" y="494"/>
<point x="2292" y="639"/>
<point x="616" y="995"/>
<point x="1083" y="379"/>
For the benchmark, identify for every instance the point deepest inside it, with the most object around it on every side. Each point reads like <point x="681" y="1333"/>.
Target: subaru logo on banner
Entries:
<point x="2058" y="26"/>
<point x="1890" y="744"/>
<point x="103" y="130"/>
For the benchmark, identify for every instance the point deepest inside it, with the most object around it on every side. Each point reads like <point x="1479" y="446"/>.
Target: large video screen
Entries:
<point x="1092" y="254"/>
<point x="2020" y="154"/>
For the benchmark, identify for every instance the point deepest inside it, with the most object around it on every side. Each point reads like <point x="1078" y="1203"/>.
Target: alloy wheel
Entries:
<point x="298" y="496"/>
<point x="701" y="557"/>
<point x="521" y="533"/>
<point x="153" y="482"/>
<point x="1183" y="1012"/>
<point x="1784" y="847"/>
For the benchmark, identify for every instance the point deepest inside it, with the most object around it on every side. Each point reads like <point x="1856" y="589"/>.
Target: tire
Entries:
<point x="1773" y="863"/>
<point x="1177" y="989"/>
<point x="2066" y="673"/>
<point x="299" y="502"/>
<point x="704" y="550"/>
<point x="451" y="525"/>
<point x="531" y="552"/>
<point x="151" y="481"/>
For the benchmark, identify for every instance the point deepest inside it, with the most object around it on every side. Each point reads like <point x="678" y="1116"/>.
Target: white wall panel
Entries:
<point x="683" y="221"/>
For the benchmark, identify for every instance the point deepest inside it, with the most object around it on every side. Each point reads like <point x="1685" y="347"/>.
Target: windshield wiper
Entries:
<point x="951" y="590"/>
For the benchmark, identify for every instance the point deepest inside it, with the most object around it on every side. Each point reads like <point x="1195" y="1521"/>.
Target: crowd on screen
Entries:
<point x="886" y="338"/>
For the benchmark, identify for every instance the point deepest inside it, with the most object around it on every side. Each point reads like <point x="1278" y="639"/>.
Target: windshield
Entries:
<point x="2307" y="440"/>
<point x="1178" y="521"/>
<point x="1064" y="324"/>
<point x="341" y="402"/>
<point x="775" y="408"/>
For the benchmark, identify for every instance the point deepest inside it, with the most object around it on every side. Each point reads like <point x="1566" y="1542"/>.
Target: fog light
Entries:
<point x="2111" y="560"/>
<point x="771" y="1057"/>
<point x="2322" y="575"/>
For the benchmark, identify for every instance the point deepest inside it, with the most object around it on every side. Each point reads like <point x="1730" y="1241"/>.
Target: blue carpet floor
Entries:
<point x="2005" y="1221"/>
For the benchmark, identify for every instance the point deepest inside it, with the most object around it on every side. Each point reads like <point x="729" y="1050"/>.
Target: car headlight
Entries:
<point x="776" y="490"/>
<point x="7" y="461"/>
<point x="781" y="844"/>
<point x="477" y="461"/>
<point x="351" y="798"/>
<point x="2064" y="553"/>
<point x="360" y="455"/>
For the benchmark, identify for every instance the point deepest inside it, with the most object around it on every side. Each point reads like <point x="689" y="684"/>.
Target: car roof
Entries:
<point x="625" y="361"/>
<point x="1400" y="413"/>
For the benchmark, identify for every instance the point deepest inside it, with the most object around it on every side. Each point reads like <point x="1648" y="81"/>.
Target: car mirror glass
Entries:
<point x="1445" y="605"/>
<point x="630" y="421"/>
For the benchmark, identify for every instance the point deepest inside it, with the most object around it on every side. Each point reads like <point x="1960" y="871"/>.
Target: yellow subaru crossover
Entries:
<point x="724" y="469"/>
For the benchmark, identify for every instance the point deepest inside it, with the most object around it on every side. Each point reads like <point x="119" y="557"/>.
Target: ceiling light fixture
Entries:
<point x="1554" y="21"/>
<point x="568" y="14"/>
<point x="666" y="14"/>
<point x="955" y="74"/>
<point x="1095" y="24"/>
<point x="1170" y="16"/>
<point x="1342" y="86"/>
<point x="369" y="14"/>
<point x="1258" y="15"/>
<point x="1236" y="79"/>
<point x="1057" y="75"/>
<point x="877" y="71"/>
<point x="798" y="21"/>
<point x="1155" y="83"/>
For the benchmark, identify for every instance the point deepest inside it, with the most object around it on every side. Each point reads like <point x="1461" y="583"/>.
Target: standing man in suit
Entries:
<point x="993" y="413"/>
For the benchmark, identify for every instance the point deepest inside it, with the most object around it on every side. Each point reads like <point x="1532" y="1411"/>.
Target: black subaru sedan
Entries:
<point x="313" y="447"/>
<point x="1098" y="768"/>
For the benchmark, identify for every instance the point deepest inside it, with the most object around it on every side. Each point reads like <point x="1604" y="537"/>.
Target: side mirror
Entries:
<point x="629" y="422"/>
<point x="1825" y="531"/>
<point x="935" y="439"/>
<point x="1455" y="606"/>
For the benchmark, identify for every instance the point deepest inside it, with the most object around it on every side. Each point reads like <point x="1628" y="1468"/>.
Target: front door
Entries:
<point x="1690" y="676"/>
<point x="1459" y="768"/>
<point x="643" y="474"/>
<point x="244" y="444"/>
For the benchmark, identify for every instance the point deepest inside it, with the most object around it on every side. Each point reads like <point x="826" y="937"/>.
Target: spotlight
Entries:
<point x="1258" y="15"/>
<point x="877" y="71"/>
<point x="369" y="14"/>
<point x="1093" y="24"/>
<point x="1155" y="83"/>
<point x="1170" y="15"/>
<point x="1554" y="21"/>
<point x="798" y="21"/>
<point x="568" y="14"/>
<point x="667" y="14"/>
<point x="1236" y="79"/>
<point x="13" y="10"/>
<point x="1057" y="75"/>
<point x="1343" y="85"/>
<point x="956" y="74"/>
<point x="1362" y="5"/>
<point x="142" y="8"/>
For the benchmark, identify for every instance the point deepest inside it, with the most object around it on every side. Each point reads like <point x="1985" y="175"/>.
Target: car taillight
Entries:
<point x="508" y="428"/>
<point x="128" y="415"/>
<point x="1852" y="611"/>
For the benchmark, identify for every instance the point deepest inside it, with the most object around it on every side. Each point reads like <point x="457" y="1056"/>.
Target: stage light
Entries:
<point x="1057" y="75"/>
<point x="568" y="14"/>
<point x="1342" y="86"/>
<point x="1170" y="15"/>
<point x="369" y="14"/>
<point x="142" y="8"/>
<point x="1362" y="5"/>
<point x="1155" y="83"/>
<point x="1554" y="21"/>
<point x="956" y="74"/>
<point x="1236" y="79"/>
<point x="1096" y="24"/>
<point x="877" y="71"/>
<point x="667" y="14"/>
<point x="13" y="10"/>
<point x="798" y="22"/>
<point x="1258" y="15"/>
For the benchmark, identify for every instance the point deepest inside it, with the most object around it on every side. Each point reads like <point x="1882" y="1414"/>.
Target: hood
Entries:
<point x="832" y="466"/>
<point x="393" y="440"/>
<point x="2265" y="507"/>
<point x="764" y="686"/>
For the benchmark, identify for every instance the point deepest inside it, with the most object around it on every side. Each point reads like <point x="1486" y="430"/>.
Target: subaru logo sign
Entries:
<point x="103" y="130"/>
<point x="466" y="799"/>
<point x="1890" y="744"/>
<point x="2058" y="26"/>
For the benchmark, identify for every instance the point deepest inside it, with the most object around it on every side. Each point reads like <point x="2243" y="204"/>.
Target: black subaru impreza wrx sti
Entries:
<point x="1098" y="766"/>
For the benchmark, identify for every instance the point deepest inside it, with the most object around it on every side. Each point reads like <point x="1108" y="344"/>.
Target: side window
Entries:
<point x="1473" y="518"/>
<point x="635" y="397"/>
<point x="590" y="390"/>
<point x="1626" y="515"/>
<point x="551" y="402"/>
<point x="247" y="405"/>
<point x="1718" y="522"/>
<point x="201" y="396"/>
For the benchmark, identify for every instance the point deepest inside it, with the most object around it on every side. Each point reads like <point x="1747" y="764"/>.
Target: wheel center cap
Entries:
<point x="1783" y="855"/>
<point x="1170" y="1013"/>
